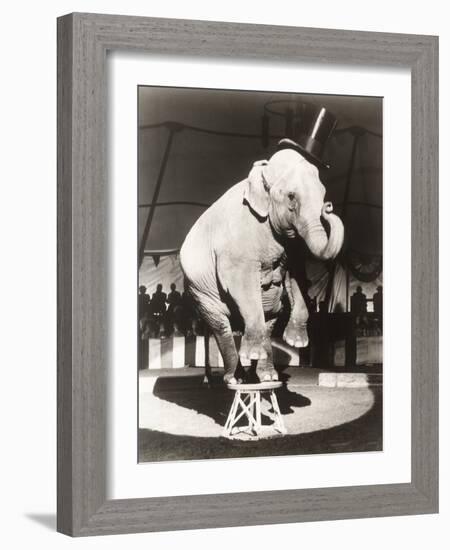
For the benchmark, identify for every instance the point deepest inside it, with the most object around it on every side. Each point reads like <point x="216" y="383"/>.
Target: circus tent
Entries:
<point x="195" y="144"/>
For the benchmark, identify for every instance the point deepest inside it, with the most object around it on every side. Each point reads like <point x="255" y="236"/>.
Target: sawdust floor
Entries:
<point x="179" y="419"/>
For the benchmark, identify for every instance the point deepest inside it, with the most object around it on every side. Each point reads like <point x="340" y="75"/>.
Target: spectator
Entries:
<point x="378" y="301"/>
<point x="358" y="306"/>
<point x="174" y="315"/>
<point x="144" y="326"/>
<point x="378" y="309"/>
<point x="358" y="302"/>
<point x="158" y="309"/>
<point x="143" y="306"/>
<point x="174" y="298"/>
<point x="158" y="302"/>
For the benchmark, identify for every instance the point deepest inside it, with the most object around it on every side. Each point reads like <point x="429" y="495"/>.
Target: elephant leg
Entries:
<point x="242" y="280"/>
<point x="227" y="348"/>
<point x="265" y="368"/>
<point x="213" y="312"/>
<point x="296" y="334"/>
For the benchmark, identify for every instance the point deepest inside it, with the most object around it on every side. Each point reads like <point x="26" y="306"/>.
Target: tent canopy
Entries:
<point x="216" y="139"/>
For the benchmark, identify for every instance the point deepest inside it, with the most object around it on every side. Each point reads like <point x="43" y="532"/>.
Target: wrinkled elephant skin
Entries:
<point x="239" y="252"/>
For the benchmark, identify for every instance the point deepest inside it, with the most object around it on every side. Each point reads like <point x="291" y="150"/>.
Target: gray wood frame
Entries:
<point x="83" y="41"/>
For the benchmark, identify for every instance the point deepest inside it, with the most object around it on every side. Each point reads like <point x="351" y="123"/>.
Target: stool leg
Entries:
<point x="253" y="423"/>
<point x="258" y="412"/>
<point x="279" y="424"/>
<point x="244" y="404"/>
<point x="246" y="409"/>
<point x="231" y="416"/>
<point x="247" y="406"/>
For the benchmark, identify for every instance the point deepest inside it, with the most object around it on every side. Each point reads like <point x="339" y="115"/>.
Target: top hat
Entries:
<point x="312" y="128"/>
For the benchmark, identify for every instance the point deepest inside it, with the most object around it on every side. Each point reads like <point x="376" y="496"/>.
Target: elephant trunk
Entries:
<point x="323" y="247"/>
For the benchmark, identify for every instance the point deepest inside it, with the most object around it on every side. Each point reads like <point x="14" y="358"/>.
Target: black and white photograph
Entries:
<point x="223" y="241"/>
<point x="260" y="280"/>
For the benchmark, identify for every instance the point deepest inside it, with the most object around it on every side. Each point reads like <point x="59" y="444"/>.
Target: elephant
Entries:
<point x="236" y="257"/>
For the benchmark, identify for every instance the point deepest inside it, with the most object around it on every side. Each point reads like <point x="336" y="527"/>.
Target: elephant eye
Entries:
<point x="291" y="196"/>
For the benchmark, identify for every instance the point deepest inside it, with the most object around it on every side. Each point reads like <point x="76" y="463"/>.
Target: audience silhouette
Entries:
<point x="158" y="302"/>
<point x="143" y="302"/>
<point x="175" y="314"/>
<point x="358" y="302"/>
<point x="378" y="301"/>
<point x="165" y="315"/>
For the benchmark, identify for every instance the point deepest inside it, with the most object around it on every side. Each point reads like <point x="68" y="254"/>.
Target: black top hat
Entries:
<point x="312" y="129"/>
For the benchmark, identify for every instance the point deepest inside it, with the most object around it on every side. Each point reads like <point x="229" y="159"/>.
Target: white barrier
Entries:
<point x="178" y="352"/>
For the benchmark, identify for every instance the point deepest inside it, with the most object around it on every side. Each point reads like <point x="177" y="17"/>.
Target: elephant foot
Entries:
<point x="266" y="373"/>
<point x="269" y="377"/>
<point x="295" y="334"/>
<point x="230" y="378"/>
<point x="252" y="349"/>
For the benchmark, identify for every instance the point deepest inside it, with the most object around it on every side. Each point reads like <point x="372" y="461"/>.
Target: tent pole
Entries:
<point x="356" y="132"/>
<point x="151" y="212"/>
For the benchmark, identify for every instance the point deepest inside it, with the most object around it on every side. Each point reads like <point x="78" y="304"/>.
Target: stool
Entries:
<point x="247" y="402"/>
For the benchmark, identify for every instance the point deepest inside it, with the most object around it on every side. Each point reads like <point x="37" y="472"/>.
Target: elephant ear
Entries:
<point x="256" y="192"/>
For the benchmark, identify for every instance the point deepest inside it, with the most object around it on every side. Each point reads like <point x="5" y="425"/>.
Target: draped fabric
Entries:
<point x="318" y="276"/>
<point x="167" y="271"/>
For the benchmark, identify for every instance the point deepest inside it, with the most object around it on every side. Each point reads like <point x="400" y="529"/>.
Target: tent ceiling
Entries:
<point x="201" y="166"/>
<point x="242" y="111"/>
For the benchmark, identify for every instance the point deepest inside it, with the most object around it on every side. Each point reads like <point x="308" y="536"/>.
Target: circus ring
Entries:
<point x="180" y="418"/>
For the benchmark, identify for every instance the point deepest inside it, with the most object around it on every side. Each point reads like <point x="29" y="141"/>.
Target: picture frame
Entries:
<point x="83" y="42"/>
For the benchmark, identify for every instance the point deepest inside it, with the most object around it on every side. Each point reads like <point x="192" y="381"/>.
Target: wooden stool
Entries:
<point x="247" y="402"/>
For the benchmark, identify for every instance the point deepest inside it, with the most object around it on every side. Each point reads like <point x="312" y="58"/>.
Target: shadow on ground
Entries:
<point x="215" y="401"/>
<point x="46" y="520"/>
<point x="362" y="434"/>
